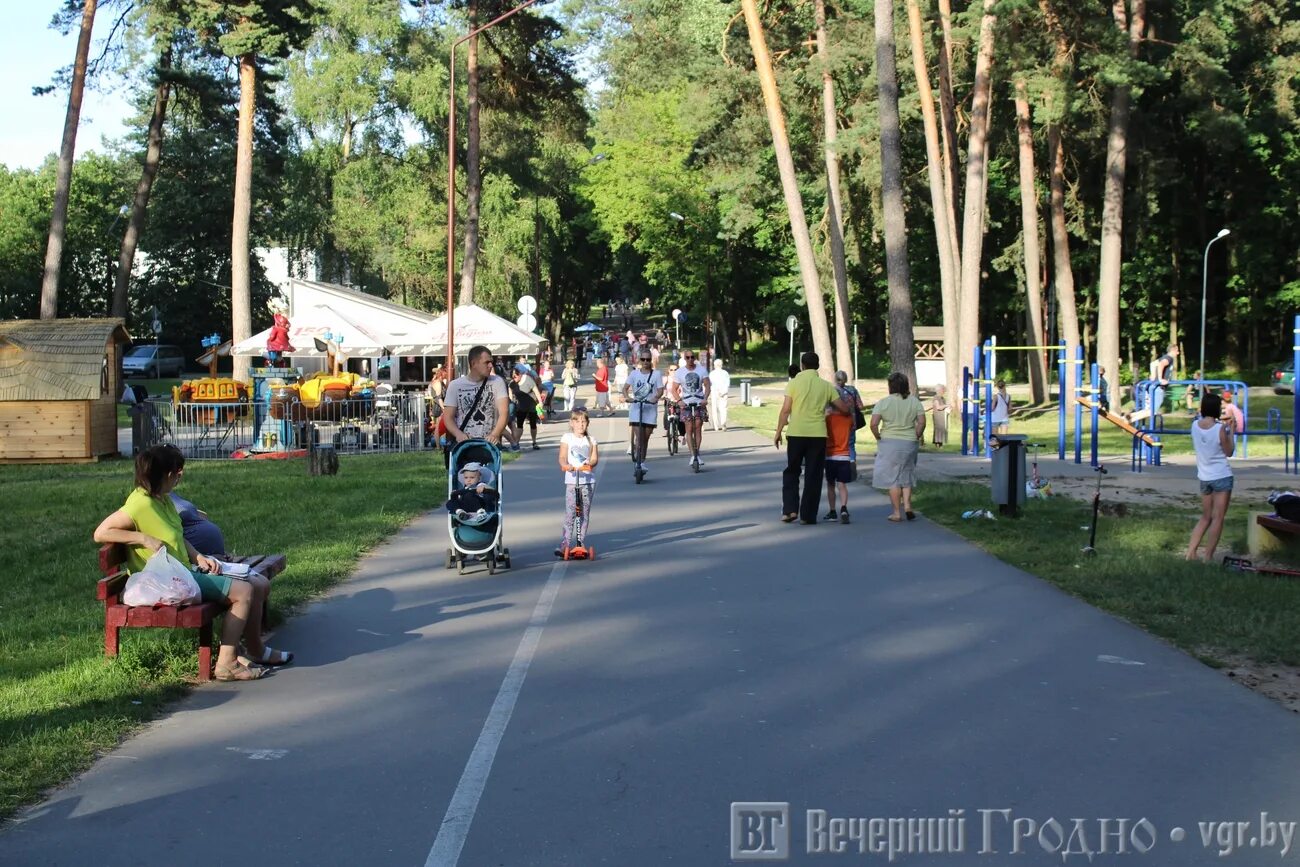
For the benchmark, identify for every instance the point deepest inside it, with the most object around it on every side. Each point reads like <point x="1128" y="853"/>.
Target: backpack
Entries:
<point x="1286" y="504"/>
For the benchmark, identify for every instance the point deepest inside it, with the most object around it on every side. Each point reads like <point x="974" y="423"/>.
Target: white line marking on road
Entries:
<point x="464" y="801"/>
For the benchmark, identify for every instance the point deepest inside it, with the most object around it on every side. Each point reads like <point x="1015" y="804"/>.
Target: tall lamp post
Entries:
<point x="451" y="182"/>
<point x="1205" y="266"/>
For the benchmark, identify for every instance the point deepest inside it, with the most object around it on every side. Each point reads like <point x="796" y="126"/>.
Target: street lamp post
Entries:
<point x="1205" y="265"/>
<point x="451" y="182"/>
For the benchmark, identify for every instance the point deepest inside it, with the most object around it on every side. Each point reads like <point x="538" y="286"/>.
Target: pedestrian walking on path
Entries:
<point x="804" y="412"/>
<point x="898" y="424"/>
<point x="569" y="379"/>
<point x="620" y="380"/>
<point x="719" y="395"/>
<point x="939" y="409"/>
<point x="839" y="433"/>
<point x="477" y="405"/>
<point x="601" y="379"/>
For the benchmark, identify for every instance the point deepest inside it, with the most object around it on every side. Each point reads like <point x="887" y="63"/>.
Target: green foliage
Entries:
<point x="25" y="201"/>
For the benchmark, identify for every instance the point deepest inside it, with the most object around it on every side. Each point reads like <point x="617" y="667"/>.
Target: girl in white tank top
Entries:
<point x="1214" y="445"/>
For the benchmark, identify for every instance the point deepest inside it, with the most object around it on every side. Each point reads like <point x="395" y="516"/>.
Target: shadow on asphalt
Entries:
<point x="402" y="625"/>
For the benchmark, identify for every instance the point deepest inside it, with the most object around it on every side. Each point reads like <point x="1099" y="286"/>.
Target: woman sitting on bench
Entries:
<point x="148" y="521"/>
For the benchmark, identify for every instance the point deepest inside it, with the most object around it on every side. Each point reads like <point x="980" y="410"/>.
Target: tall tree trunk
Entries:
<point x="140" y="205"/>
<point x="790" y="186"/>
<point x="843" y="322"/>
<point x="63" y="176"/>
<point x="902" y="346"/>
<point x="1062" y="270"/>
<point x="972" y="234"/>
<point x="948" y="128"/>
<point x="1112" y="213"/>
<point x="473" y="180"/>
<point x="241" y="313"/>
<point x="1033" y="258"/>
<point x="939" y="204"/>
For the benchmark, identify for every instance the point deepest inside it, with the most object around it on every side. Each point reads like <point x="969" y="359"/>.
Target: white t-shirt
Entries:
<point x="476" y="420"/>
<point x="719" y="380"/>
<point x="579" y="451"/>
<point x="1001" y="412"/>
<point x="690" y="384"/>
<point x="643" y="386"/>
<point x="1211" y="462"/>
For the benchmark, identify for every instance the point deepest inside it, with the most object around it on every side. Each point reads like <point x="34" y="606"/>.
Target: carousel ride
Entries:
<point x="213" y="398"/>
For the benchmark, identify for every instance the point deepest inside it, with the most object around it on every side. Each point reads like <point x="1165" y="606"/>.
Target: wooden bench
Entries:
<point x="199" y="616"/>
<point x="1267" y="533"/>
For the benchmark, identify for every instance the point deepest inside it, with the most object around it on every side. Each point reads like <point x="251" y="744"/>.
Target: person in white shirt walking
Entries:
<point x="719" y="395"/>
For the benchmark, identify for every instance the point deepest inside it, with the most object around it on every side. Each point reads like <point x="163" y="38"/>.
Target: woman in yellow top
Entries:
<point x="898" y="424"/>
<point x="149" y="521"/>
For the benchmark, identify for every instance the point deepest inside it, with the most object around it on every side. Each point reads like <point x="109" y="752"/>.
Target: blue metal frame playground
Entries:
<point x="977" y="408"/>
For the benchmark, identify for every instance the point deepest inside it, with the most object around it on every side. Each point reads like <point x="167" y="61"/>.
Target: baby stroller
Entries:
<point x="477" y="538"/>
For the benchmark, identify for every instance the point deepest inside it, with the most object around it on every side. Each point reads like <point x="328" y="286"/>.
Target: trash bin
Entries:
<point x="744" y="392"/>
<point x="1008" y="473"/>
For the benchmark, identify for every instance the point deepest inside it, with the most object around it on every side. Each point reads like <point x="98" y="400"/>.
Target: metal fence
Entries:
<point x="373" y="425"/>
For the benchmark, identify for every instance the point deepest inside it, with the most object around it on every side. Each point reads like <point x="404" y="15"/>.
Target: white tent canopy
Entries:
<point x="313" y="323"/>
<point x="475" y="327"/>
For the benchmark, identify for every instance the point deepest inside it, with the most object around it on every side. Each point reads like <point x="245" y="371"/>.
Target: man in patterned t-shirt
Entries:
<point x="476" y="403"/>
<point x="690" y="388"/>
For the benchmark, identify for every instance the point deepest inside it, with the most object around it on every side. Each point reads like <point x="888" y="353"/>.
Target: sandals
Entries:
<point x="270" y="657"/>
<point x="789" y="517"/>
<point x="238" y="671"/>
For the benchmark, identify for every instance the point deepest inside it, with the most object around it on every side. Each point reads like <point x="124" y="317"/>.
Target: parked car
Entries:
<point x="1283" y="379"/>
<point x="156" y="361"/>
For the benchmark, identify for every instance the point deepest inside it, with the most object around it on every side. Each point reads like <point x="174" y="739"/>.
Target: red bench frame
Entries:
<point x="118" y="615"/>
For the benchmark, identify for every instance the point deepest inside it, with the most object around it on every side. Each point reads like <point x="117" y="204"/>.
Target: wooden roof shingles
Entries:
<point x="55" y="359"/>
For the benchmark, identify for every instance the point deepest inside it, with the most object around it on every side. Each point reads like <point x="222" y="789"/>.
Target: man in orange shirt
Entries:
<point x="839" y="457"/>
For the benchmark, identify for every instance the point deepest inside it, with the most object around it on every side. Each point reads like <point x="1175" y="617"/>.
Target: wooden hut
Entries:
<point x="59" y="384"/>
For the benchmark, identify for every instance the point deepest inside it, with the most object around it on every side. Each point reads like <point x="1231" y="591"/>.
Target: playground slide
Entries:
<point x="1120" y="422"/>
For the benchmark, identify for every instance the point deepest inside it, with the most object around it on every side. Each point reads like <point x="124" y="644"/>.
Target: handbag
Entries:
<point x="164" y="580"/>
<point x="859" y="420"/>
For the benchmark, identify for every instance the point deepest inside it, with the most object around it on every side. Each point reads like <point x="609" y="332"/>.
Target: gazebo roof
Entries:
<point x="55" y="359"/>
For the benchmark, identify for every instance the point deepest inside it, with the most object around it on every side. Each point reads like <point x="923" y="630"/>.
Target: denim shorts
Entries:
<point x="1216" y="486"/>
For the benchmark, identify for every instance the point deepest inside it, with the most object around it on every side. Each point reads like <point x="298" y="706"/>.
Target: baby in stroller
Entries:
<point x="475" y="501"/>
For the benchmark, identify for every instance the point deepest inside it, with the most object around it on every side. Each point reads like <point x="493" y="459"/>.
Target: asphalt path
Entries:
<point x="610" y="712"/>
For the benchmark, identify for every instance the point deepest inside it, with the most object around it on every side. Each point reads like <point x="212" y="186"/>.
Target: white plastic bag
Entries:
<point x="164" y="580"/>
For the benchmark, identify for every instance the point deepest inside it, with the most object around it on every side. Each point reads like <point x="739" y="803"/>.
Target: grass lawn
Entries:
<point x="61" y="701"/>
<point x="1138" y="573"/>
